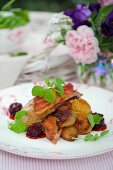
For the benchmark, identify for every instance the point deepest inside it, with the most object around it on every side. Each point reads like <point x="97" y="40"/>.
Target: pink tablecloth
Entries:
<point x="13" y="162"/>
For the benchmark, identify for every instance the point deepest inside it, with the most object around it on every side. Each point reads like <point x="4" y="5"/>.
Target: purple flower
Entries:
<point x="102" y="68"/>
<point x="80" y="6"/>
<point x="107" y="26"/>
<point x="68" y="12"/>
<point x="79" y="16"/>
<point x="95" y="7"/>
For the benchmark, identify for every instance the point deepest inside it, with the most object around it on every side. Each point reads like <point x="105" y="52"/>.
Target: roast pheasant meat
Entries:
<point x="38" y="109"/>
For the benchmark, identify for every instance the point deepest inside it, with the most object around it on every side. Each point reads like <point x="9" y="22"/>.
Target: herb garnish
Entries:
<point x="18" y="126"/>
<point x="94" y="119"/>
<point x="20" y="114"/>
<point x="91" y="137"/>
<point x="49" y="92"/>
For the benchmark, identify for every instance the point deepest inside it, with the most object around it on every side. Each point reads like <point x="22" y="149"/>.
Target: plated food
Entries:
<point x="56" y="110"/>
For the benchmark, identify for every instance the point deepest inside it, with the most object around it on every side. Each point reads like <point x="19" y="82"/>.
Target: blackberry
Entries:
<point x="35" y="130"/>
<point x="13" y="108"/>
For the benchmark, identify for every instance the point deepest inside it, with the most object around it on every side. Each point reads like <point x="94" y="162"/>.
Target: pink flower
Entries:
<point x="82" y="44"/>
<point x="106" y="2"/>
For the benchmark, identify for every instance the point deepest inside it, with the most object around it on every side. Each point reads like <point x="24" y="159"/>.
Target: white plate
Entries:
<point x="100" y="100"/>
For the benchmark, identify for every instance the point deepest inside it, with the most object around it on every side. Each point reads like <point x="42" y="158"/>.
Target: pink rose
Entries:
<point x="106" y="2"/>
<point x="83" y="45"/>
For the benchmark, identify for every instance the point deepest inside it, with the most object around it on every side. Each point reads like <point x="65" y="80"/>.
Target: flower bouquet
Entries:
<point x="87" y="32"/>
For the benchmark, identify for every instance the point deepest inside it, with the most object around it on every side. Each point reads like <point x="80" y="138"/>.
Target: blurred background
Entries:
<point x="46" y="5"/>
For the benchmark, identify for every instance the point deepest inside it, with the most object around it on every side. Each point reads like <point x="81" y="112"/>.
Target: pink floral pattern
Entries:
<point x="111" y="122"/>
<point x="83" y="45"/>
<point x="16" y="36"/>
<point x="5" y="101"/>
<point x="111" y="99"/>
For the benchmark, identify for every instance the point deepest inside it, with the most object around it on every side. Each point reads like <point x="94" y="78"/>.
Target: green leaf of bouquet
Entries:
<point x="85" y="1"/>
<point x="103" y="13"/>
<point x="105" y="10"/>
<point x="63" y="32"/>
<point x="20" y="53"/>
<point x="60" y="41"/>
<point x="17" y="17"/>
<point x="49" y="95"/>
<point x="38" y="91"/>
<point x="7" y="6"/>
<point x="20" y="114"/>
<point x="18" y="127"/>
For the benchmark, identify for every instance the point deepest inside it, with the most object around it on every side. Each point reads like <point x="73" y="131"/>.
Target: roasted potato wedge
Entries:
<point x="82" y="124"/>
<point x="69" y="133"/>
<point x="81" y="106"/>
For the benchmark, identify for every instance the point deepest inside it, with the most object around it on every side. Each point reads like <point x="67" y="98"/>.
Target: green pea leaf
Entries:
<point x="48" y="83"/>
<point x="91" y="137"/>
<point x="38" y="91"/>
<point x="88" y="137"/>
<point x="94" y="119"/>
<point x="97" y="118"/>
<point x="20" y="114"/>
<point x="59" y="81"/>
<point x="17" y="126"/>
<point x="105" y="132"/>
<point x="59" y="85"/>
<point x="60" y="89"/>
<point x="49" y="95"/>
<point x="91" y="120"/>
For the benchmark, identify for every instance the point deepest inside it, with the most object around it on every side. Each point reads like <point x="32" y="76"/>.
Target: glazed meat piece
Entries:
<point x="62" y="113"/>
<point x="51" y="129"/>
<point x="38" y="109"/>
<point x="65" y="116"/>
